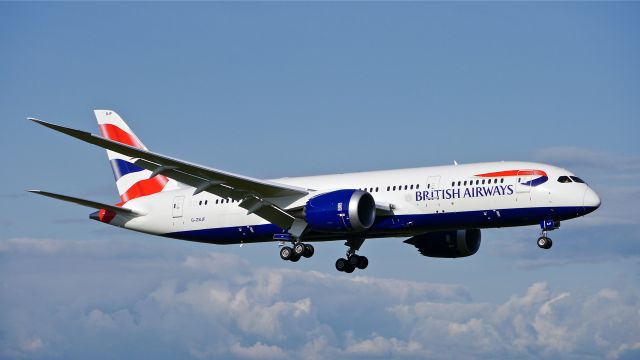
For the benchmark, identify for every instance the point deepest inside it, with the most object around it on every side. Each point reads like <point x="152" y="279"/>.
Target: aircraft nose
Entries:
<point x="591" y="200"/>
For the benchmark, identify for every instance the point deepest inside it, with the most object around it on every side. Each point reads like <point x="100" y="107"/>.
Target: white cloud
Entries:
<point x="258" y="351"/>
<point x="379" y="346"/>
<point x="80" y="301"/>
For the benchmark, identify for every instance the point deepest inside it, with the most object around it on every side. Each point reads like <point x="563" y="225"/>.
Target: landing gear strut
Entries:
<point x="353" y="260"/>
<point x="544" y="242"/>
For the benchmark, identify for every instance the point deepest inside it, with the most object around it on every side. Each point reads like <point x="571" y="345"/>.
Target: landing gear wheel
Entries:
<point x="294" y="257"/>
<point x="298" y="249"/>
<point x="349" y="268"/>
<point x="544" y="242"/>
<point x="354" y="260"/>
<point x="286" y="252"/>
<point x="363" y="262"/>
<point x="308" y="251"/>
<point x="342" y="264"/>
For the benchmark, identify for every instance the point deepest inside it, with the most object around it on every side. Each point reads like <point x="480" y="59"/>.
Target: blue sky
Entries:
<point x="285" y="89"/>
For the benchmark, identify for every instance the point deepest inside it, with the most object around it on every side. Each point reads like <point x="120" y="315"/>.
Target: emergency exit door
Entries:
<point x="178" y="203"/>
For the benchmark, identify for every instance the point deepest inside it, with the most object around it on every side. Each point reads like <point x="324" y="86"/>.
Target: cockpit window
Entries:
<point x="577" y="179"/>
<point x="564" y="179"/>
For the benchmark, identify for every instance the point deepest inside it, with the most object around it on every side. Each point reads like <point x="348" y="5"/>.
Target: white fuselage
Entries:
<point x="417" y="200"/>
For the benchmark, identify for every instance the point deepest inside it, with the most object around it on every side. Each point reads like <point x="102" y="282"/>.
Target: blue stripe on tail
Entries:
<point x="122" y="167"/>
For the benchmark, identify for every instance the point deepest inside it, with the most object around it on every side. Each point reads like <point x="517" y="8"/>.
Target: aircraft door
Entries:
<point x="178" y="203"/>
<point x="523" y="181"/>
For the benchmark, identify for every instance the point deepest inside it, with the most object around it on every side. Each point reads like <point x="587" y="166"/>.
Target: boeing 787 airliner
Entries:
<point x="439" y="209"/>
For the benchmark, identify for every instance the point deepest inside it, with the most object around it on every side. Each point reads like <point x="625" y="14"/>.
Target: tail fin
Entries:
<point x="132" y="181"/>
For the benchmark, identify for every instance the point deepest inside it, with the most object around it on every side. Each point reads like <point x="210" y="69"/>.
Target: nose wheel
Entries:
<point x="544" y="242"/>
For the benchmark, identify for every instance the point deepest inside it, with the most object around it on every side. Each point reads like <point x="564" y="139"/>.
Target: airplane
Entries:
<point x="441" y="209"/>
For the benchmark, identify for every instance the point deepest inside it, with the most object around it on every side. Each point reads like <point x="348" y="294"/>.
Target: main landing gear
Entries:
<point x="353" y="260"/>
<point x="545" y="242"/>
<point x="298" y="251"/>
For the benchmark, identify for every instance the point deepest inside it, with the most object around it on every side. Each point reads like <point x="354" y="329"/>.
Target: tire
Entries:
<point x="543" y="242"/>
<point x="354" y="260"/>
<point x="549" y="244"/>
<point x="308" y="251"/>
<point x="294" y="258"/>
<point x="299" y="249"/>
<point x="342" y="264"/>
<point x="363" y="262"/>
<point x="349" y="269"/>
<point x="286" y="252"/>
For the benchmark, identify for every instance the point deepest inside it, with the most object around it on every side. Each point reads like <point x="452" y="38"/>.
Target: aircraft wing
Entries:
<point x="252" y="194"/>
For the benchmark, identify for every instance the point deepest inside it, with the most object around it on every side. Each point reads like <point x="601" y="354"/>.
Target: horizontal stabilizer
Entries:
<point x="87" y="203"/>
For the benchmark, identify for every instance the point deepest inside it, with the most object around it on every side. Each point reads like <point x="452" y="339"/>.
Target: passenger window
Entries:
<point x="418" y="186"/>
<point x="394" y="188"/>
<point x="206" y="201"/>
<point x="495" y="181"/>
<point x="200" y="203"/>
<point x="411" y="187"/>
<point x="577" y="179"/>
<point x="405" y="187"/>
<point x="458" y="183"/>
<point x="482" y="181"/>
<point x="465" y="183"/>
<point x="564" y="179"/>
<point x="388" y="187"/>
<point x="501" y="180"/>
<point x="477" y="182"/>
<point x="376" y="189"/>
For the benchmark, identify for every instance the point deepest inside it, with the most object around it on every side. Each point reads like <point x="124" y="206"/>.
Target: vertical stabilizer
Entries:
<point x="132" y="181"/>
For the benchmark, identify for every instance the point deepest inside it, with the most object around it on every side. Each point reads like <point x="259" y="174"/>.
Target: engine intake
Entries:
<point x="341" y="211"/>
<point x="447" y="244"/>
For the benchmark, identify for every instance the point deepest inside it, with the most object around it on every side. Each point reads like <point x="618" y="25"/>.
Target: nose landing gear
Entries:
<point x="545" y="242"/>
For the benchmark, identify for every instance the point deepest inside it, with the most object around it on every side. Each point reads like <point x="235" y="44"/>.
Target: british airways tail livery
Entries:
<point x="440" y="209"/>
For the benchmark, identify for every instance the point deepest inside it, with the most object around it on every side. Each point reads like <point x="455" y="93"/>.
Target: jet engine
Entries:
<point x="447" y="244"/>
<point x="341" y="211"/>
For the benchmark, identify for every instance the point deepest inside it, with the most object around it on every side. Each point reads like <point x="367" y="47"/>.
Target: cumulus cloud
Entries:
<point x="76" y="302"/>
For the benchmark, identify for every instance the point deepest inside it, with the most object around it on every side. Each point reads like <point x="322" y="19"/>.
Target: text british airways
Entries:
<point x="472" y="192"/>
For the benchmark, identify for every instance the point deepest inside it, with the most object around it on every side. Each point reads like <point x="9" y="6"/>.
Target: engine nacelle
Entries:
<point x="447" y="244"/>
<point x="341" y="211"/>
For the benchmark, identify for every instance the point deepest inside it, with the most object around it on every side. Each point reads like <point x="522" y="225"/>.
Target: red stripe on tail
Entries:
<point x="145" y="187"/>
<point x="114" y="133"/>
